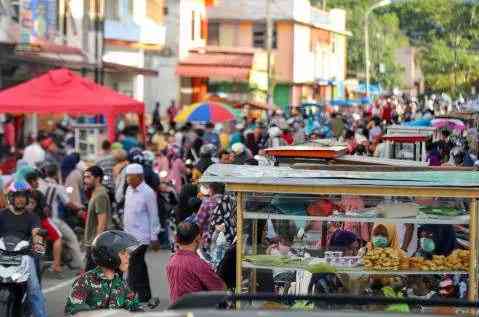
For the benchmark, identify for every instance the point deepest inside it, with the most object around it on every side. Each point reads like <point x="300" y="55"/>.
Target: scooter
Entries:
<point x="14" y="274"/>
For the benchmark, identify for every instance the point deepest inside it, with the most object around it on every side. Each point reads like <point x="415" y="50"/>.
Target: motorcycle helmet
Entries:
<point x="18" y="189"/>
<point x="107" y="245"/>
<point x="207" y="150"/>
<point x="135" y="155"/>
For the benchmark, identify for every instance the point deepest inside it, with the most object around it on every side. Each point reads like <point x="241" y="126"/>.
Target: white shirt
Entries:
<point x="33" y="154"/>
<point x="140" y="217"/>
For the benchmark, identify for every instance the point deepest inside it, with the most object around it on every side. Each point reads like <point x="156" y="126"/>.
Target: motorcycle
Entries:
<point x="14" y="275"/>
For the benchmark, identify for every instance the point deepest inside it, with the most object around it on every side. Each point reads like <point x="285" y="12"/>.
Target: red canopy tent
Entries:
<point x="62" y="91"/>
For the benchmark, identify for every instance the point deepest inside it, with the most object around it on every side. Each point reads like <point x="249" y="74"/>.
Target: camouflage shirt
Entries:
<point x="93" y="291"/>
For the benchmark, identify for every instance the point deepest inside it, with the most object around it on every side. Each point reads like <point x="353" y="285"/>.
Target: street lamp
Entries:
<point x="380" y="4"/>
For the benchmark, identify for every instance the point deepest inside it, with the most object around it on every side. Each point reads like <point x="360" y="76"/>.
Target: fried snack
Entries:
<point x="385" y="259"/>
<point x="456" y="261"/>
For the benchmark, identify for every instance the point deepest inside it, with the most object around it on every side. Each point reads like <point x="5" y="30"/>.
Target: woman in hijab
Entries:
<point x="436" y="240"/>
<point x="384" y="236"/>
<point x="178" y="168"/>
<point x="22" y="170"/>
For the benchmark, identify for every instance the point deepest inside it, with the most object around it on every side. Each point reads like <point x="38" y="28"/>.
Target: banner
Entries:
<point x="38" y="21"/>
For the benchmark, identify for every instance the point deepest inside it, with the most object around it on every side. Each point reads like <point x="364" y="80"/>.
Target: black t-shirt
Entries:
<point x="20" y="226"/>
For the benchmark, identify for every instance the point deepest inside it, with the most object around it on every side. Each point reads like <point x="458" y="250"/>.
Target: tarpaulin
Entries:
<point x="62" y="91"/>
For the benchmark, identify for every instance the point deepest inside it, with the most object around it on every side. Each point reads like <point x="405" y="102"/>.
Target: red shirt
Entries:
<point x="188" y="273"/>
<point x="387" y="112"/>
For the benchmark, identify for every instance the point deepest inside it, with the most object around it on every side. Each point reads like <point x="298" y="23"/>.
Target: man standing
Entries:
<point x="186" y="271"/>
<point x="140" y="220"/>
<point x="99" y="210"/>
<point x="106" y="163"/>
<point x="56" y="195"/>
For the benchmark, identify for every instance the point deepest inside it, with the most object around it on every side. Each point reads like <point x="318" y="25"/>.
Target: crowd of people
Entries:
<point x="148" y="192"/>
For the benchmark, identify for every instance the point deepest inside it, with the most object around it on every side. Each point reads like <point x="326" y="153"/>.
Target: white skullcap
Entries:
<point x="134" y="169"/>
<point x="237" y="148"/>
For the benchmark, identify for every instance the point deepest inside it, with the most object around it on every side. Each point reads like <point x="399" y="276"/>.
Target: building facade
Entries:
<point x="309" y="45"/>
<point x="134" y="37"/>
<point x="185" y="30"/>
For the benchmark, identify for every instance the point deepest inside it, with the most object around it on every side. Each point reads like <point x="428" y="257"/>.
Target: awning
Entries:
<point x="77" y="65"/>
<point x="120" y="68"/>
<point x="212" y="71"/>
<point x="214" y="63"/>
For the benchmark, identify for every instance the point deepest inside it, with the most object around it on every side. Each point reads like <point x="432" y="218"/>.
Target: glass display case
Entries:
<point x="88" y="139"/>
<point x="314" y="232"/>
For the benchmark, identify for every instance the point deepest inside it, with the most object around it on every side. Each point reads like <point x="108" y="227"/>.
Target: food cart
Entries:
<point x="333" y="154"/>
<point x="388" y="198"/>
<point x="406" y="146"/>
<point x="307" y="152"/>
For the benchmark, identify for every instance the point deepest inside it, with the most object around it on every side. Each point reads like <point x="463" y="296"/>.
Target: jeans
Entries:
<point x="34" y="292"/>
<point x="70" y="240"/>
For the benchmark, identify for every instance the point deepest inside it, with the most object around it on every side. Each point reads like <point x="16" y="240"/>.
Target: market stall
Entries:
<point x="62" y="91"/>
<point x="406" y="146"/>
<point x="279" y="208"/>
<point x="331" y="153"/>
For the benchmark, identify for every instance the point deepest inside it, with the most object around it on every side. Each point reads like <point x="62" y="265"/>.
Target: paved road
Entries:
<point x="56" y="290"/>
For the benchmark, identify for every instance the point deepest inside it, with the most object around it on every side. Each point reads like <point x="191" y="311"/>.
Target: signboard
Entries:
<point x="38" y="21"/>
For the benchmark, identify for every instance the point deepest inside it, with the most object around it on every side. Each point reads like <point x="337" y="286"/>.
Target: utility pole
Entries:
<point x="269" y="47"/>
<point x="366" y="50"/>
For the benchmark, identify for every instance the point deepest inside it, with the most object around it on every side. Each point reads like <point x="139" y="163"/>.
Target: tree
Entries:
<point x="385" y="36"/>
<point x="448" y="34"/>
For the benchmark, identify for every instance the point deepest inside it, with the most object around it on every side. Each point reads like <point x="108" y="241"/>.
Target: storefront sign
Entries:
<point x="38" y="21"/>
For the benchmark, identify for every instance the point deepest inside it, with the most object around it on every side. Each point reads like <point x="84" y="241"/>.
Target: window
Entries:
<point x="119" y="10"/>
<point x="260" y="34"/>
<point x="112" y="11"/>
<point x="214" y="33"/>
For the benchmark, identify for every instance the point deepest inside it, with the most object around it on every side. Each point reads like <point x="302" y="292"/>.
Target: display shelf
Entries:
<point x="449" y="221"/>
<point x="353" y="271"/>
<point x="256" y="186"/>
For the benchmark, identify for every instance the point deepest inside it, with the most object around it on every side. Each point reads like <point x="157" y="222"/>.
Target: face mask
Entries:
<point x="427" y="245"/>
<point x="380" y="241"/>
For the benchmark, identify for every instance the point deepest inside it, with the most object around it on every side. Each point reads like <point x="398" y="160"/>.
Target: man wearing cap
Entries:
<point x="51" y="151"/>
<point x="140" y="220"/>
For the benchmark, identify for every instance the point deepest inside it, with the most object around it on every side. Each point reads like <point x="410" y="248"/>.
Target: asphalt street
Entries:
<point x="56" y="290"/>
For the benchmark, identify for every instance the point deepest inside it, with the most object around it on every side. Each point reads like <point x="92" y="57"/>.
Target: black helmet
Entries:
<point x="135" y="155"/>
<point x="108" y="244"/>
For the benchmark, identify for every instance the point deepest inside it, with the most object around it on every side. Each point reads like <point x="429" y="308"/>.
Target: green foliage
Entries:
<point x="448" y="34"/>
<point x="384" y="37"/>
